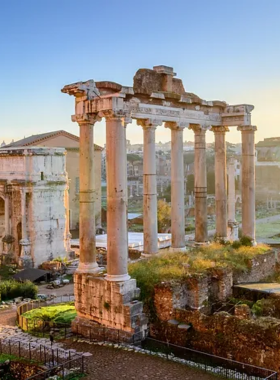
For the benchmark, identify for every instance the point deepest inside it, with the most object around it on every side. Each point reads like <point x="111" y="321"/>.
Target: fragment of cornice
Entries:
<point x="157" y="95"/>
<point x="238" y="109"/>
<point x="127" y="90"/>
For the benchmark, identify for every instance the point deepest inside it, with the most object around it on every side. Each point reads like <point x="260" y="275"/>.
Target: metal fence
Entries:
<point x="60" y="362"/>
<point x="34" y="352"/>
<point x="229" y="369"/>
<point x="67" y="370"/>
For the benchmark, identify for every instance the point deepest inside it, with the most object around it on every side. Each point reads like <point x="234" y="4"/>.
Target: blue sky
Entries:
<point x="226" y="50"/>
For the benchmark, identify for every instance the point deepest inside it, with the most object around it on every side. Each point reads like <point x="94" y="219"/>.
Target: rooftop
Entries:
<point x="36" y="139"/>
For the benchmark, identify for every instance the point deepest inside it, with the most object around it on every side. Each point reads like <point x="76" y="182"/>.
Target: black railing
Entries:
<point x="229" y="369"/>
<point x="67" y="370"/>
<point x="63" y="363"/>
<point x="44" y="355"/>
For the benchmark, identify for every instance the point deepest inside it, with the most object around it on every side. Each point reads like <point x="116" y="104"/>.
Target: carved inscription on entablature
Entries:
<point x="233" y="121"/>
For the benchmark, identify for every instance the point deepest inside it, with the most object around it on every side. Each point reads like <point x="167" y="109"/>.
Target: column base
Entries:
<point x="221" y="238"/>
<point x="26" y="262"/>
<point x="121" y="277"/>
<point x="114" y="311"/>
<point x="201" y="244"/>
<point x="88" y="268"/>
<point x="174" y="250"/>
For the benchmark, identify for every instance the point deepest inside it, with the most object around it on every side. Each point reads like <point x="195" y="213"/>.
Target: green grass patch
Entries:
<point x="58" y="314"/>
<point x="178" y="266"/>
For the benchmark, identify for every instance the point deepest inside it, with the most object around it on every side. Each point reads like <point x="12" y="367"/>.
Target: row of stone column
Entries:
<point x="117" y="236"/>
<point x="248" y="182"/>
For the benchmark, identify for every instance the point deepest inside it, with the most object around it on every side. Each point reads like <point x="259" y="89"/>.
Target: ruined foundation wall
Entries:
<point x="110" y="304"/>
<point x="260" y="267"/>
<point x="181" y="317"/>
<point x="255" y="342"/>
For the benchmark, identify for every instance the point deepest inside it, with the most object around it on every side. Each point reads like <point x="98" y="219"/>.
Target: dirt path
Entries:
<point x="8" y="317"/>
<point x="113" y="364"/>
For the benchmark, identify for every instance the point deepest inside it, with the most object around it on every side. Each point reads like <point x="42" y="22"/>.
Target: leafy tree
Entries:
<point x="167" y="193"/>
<point x="164" y="216"/>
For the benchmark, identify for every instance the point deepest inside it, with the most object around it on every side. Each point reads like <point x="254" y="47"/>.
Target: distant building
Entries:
<point x="33" y="205"/>
<point x="70" y="142"/>
<point x="268" y="169"/>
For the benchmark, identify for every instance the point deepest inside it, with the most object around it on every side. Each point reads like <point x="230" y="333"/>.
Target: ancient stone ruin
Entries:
<point x="33" y="201"/>
<point x="156" y="98"/>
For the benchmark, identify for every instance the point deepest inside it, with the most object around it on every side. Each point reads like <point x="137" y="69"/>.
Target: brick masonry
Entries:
<point x="182" y="318"/>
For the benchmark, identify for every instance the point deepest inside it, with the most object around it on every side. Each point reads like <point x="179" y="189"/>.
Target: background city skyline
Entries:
<point x="220" y="50"/>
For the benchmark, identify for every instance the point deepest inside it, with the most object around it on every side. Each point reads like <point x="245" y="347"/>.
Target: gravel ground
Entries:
<point x="113" y="364"/>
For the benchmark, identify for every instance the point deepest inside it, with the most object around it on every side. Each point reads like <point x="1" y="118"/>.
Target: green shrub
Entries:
<point x="59" y="314"/>
<point x="246" y="241"/>
<point x="236" y="244"/>
<point x="257" y="308"/>
<point x="10" y="289"/>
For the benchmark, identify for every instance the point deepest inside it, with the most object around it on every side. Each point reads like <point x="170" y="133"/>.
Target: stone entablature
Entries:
<point x="34" y="186"/>
<point x="20" y="165"/>
<point x="148" y="98"/>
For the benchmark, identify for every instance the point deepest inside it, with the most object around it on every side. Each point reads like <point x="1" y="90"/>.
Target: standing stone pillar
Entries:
<point x="25" y="257"/>
<point x="200" y="184"/>
<point x="248" y="180"/>
<point x="150" y="226"/>
<point x="117" y="238"/>
<point x="87" y="262"/>
<point x="231" y="190"/>
<point x="177" y="188"/>
<point x="68" y="235"/>
<point x="232" y="223"/>
<point x="220" y="181"/>
<point x="7" y="215"/>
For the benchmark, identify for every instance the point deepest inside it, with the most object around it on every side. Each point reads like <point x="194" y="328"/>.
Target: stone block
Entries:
<point x="110" y="304"/>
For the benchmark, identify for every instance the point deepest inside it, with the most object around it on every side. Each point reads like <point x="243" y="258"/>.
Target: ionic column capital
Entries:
<point x="219" y="129"/>
<point x="176" y="126"/>
<point x="86" y="119"/>
<point x="199" y="128"/>
<point x="247" y="128"/>
<point x="149" y="123"/>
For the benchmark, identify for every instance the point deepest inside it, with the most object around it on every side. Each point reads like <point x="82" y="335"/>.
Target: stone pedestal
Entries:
<point x="107" y="306"/>
<point x="25" y="260"/>
<point x="248" y="180"/>
<point x="200" y="184"/>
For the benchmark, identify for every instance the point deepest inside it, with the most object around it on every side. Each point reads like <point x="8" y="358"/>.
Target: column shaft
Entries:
<point x="200" y="186"/>
<point x="87" y="262"/>
<point x="220" y="182"/>
<point x="23" y="215"/>
<point x="177" y="191"/>
<point x="150" y="192"/>
<point x="117" y="239"/>
<point x="248" y="180"/>
<point x="231" y="191"/>
<point x="7" y="215"/>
